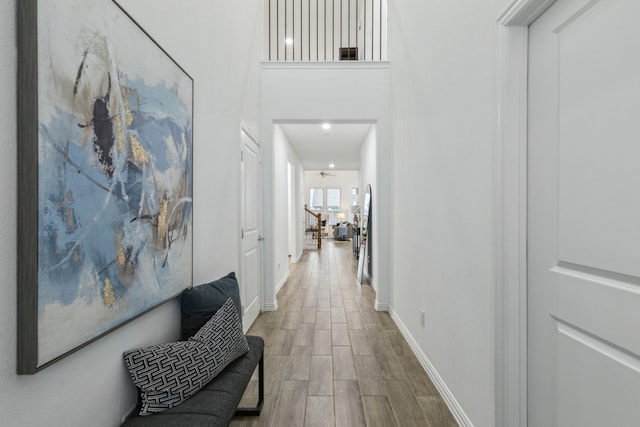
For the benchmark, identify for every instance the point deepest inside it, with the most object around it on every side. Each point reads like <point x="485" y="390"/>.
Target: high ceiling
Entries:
<point x="317" y="148"/>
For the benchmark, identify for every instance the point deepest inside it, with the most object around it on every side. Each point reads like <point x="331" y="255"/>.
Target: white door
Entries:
<point x="584" y="215"/>
<point x="251" y="215"/>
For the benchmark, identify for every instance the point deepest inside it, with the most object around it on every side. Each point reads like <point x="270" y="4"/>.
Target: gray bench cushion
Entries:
<point x="168" y="374"/>
<point x="216" y="403"/>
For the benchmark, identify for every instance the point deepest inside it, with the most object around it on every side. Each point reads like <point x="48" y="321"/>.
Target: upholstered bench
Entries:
<point x="199" y="381"/>
<point x="217" y="402"/>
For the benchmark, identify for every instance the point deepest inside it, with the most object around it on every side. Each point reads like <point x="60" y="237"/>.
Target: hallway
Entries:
<point x="332" y="360"/>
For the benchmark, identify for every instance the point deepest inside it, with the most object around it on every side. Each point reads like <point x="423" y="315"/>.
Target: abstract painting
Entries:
<point x="106" y="233"/>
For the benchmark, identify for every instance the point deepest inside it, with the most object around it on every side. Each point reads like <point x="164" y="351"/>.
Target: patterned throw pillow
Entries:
<point x="168" y="374"/>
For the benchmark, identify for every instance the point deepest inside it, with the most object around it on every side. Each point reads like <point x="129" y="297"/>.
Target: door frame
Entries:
<point x="244" y="127"/>
<point x="510" y="177"/>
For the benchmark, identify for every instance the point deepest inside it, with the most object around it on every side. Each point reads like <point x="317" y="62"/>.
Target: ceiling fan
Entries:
<point x="323" y="174"/>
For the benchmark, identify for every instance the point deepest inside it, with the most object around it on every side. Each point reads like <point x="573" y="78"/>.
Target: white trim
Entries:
<point x="246" y="129"/>
<point x="270" y="306"/>
<point x="455" y="408"/>
<point x="371" y="280"/>
<point x="511" y="211"/>
<point x="378" y="306"/>
<point x="250" y="310"/>
<point x="336" y="65"/>
<point x="280" y="285"/>
<point x="511" y="333"/>
<point x="521" y="13"/>
<point x="296" y="258"/>
<point x="333" y="121"/>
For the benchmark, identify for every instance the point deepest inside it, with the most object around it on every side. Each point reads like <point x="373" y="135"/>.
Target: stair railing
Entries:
<point x="318" y="217"/>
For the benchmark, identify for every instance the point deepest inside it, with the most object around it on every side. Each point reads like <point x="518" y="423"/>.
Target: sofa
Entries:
<point x="207" y="394"/>
<point x="343" y="231"/>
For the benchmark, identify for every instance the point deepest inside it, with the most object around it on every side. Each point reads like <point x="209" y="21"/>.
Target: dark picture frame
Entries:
<point x="105" y="176"/>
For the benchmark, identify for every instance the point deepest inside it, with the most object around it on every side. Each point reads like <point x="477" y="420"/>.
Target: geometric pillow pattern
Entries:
<point x="222" y="329"/>
<point x="168" y="374"/>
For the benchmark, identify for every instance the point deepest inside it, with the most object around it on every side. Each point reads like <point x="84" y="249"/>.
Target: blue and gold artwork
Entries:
<point x="114" y="174"/>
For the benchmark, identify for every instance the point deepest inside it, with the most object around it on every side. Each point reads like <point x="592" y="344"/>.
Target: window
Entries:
<point x="333" y="204"/>
<point x="354" y="196"/>
<point x="316" y="199"/>
<point x="333" y="199"/>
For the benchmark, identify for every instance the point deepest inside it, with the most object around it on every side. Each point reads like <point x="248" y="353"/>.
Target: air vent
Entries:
<point x="348" y="54"/>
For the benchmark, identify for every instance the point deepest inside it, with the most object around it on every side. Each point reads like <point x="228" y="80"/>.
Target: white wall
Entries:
<point x="91" y="387"/>
<point x="300" y="219"/>
<point x="334" y="92"/>
<point x="299" y="214"/>
<point x="283" y="154"/>
<point x="442" y="59"/>
<point x="226" y="76"/>
<point x="369" y="176"/>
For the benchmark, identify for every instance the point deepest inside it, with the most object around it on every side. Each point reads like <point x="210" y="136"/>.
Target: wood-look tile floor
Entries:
<point x="332" y="360"/>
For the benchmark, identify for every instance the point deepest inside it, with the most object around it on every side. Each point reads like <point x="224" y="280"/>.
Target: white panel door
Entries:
<point x="584" y="215"/>
<point x="251" y="215"/>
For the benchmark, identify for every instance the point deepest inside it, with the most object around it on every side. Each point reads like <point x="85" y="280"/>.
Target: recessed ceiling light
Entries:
<point x="331" y="165"/>
<point x="288" y="40"/>
<point x="326" y="126"/>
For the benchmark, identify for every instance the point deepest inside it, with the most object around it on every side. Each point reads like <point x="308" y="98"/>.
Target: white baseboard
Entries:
<point x="273" y="306"/>
<point x="368" y="279"/>
<point x="270" y="307"/>
<point x="455" y="408"/>
<point x="380" y="307"/>
<point x="374" y="285"/>
<point x="281" y="283"/>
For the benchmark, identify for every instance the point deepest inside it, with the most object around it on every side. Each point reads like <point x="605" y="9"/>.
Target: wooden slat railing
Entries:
<point x="318" y="217"/>
<point x="325" y="30"/>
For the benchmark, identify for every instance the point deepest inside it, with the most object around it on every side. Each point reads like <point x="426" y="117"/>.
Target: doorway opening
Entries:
<point x="326" y="167"/>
